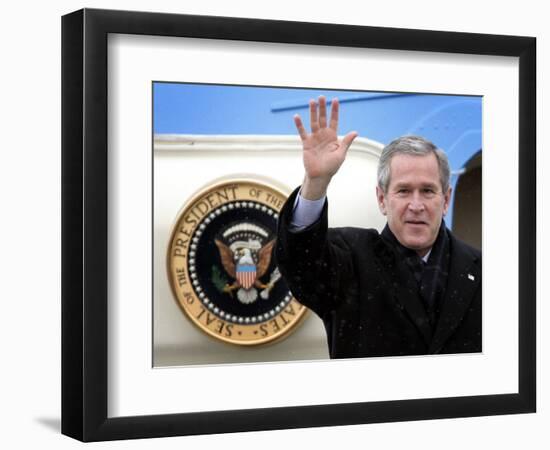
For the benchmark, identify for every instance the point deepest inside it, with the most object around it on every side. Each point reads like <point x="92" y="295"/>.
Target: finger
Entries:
<point x="313" y="116"/>
<point x="322" y="112"/>
<point x="348" y="139"/>
<point x="334" y="114"/>
<point x="300" y="127"/>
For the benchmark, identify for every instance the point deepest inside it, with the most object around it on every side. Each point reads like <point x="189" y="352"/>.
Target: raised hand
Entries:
<point x="323" y="153"/>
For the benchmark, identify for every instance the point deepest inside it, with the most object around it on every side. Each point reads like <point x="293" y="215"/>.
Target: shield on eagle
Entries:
<point x="246" y="275"/>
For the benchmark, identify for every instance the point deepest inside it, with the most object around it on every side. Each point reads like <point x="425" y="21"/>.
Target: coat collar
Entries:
<point x="462" y="285"/>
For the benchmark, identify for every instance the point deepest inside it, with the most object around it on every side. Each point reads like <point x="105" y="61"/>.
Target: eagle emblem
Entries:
<point x="246" y="261"/>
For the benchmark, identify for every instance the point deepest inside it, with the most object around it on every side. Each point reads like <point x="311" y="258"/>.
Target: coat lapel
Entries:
<point x="463" y="282"/>
<point x="404" y="288"/>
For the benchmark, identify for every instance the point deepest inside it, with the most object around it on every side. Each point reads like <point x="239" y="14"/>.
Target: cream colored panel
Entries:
<point x="185" y="164"/>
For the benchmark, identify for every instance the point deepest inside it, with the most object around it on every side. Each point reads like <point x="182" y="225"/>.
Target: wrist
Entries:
<point x="314" y="188"/>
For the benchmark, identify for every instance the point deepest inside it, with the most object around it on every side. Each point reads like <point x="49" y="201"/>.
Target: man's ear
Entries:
<point x="381" y="197"/>
<point x="447" y="200"/>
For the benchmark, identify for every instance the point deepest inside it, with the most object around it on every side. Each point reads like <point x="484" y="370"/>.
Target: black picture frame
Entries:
<point x="84" y="224"/>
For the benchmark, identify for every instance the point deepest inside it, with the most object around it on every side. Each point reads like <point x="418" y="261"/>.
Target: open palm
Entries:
<point x="323" y="153"/>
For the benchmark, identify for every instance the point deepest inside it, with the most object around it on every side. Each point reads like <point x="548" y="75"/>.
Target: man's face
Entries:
<point x="414" y="202"/>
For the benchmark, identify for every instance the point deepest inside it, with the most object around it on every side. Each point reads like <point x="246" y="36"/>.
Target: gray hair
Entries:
<point x="412" y="145"/>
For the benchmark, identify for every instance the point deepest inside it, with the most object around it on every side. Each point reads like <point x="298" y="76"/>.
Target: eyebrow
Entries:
<point x="423" y="186"/>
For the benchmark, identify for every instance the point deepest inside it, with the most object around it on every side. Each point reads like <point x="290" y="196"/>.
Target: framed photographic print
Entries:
<point x="180" y="150"/>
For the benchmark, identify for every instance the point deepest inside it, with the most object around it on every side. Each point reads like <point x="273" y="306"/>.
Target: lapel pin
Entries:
<point x="471" y="277"/>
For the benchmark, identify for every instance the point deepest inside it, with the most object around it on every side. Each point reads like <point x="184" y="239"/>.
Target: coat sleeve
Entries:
<point x="315" y="262"/>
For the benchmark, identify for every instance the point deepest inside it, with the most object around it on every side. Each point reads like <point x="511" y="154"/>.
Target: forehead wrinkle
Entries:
<point x="415" y="183"/>
<point x="414" y="179"/>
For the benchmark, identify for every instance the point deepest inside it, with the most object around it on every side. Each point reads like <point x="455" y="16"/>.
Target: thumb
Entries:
<point x="348" y="139"/>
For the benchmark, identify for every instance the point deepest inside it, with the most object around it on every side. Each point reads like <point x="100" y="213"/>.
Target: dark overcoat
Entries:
<point x="368" y="298"/>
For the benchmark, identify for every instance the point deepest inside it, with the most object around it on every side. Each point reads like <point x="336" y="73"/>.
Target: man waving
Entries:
<point x="414" y="288"/>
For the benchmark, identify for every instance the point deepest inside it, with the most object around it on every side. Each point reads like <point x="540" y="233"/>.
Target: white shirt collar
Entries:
<point x="426" y="256"/>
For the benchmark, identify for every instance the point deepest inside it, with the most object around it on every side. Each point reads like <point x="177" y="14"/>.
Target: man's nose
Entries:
<point x="416" y="204"/>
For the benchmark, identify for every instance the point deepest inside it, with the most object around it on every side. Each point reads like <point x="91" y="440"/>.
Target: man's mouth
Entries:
<point x="415" y="222"/>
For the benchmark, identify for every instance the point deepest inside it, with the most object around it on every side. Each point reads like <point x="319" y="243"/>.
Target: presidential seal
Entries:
<point x="221" y="267"/>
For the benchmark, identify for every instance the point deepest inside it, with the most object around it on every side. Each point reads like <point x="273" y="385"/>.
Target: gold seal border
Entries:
<point x="298" y="311"/>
